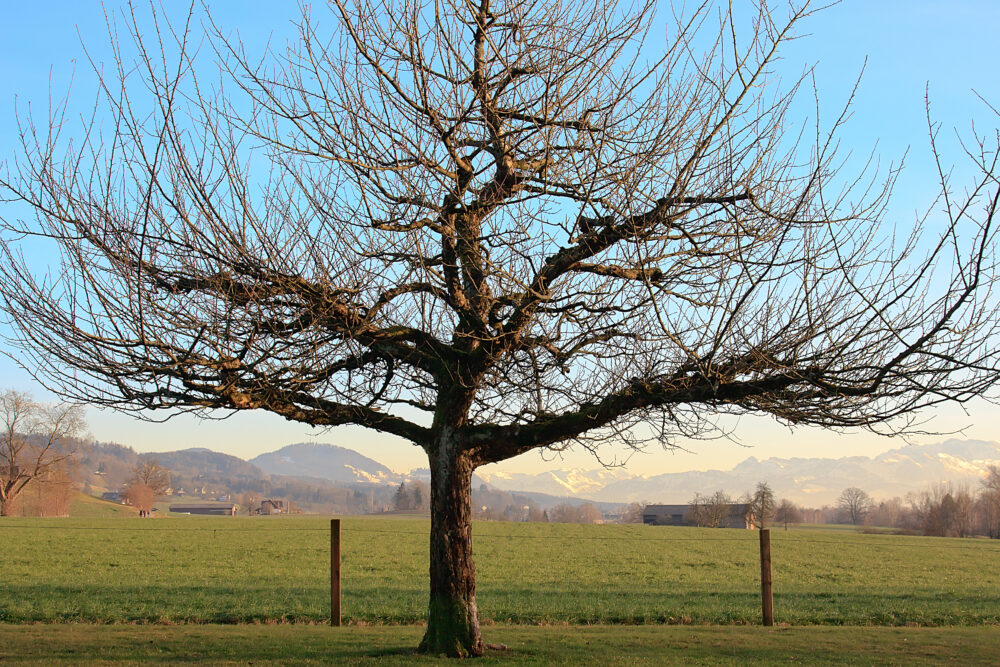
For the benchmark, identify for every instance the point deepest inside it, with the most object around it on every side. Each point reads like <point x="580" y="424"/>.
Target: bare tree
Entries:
<point x="889" y="512"/>
<point x="487" y="228"/>
<point x="855" y="504"/>
<point x="401" y="500"/>
<point x="420" y="495"/>
<point x="53" y="493"/>
<point x="150" y="473"/>
<point x="711" y="511"/>
<point x="36" y="439"/>
<point x="699" y="510"/>
<point x="139" y="496"/>
<point x="963" y="518"/>
<point x="944" y="511"/>
<point x="989" y="502"/>
<point x="761" y="505"/>
<point x="583" y="513"/>
<point x="787" y="512"/>
<point x="632" y="513"/>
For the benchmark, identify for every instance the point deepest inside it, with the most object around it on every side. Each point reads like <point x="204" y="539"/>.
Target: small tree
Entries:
<point x="139" y="496"/>
<point x="719" y="506"/>
<point x="150" y="473"/>
<point x="582" y="513"/>
<point x="35" y="441"/>
<point x="787" y="512"/>
<point x="420" y="495"/>
<point x="854" y="504"/>
<point x="401" y="500"/>
<point x="699" y="510"/>
<point x="711" y="511"/>
<point x="590" y="513"/>
<point x="48" y="495"/>
<point x="251" y="502"/>
<point x="964" y="518"/>
<point x="762" y="505"/>
<point x="632" y="513"/>
<point x="989" y="502"/>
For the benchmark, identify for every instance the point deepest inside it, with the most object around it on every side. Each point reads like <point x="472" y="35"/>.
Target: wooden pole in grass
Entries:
<point x="766" y="598"/>
<point x="335" y="572"/>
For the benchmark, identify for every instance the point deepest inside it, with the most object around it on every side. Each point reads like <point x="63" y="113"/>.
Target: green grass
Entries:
<point x="89" y="507"/>
<point x="526" y="645"/>
<point x="225" y="570"/>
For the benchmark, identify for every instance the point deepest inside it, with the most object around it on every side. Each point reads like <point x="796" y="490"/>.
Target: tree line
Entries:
<point x="942" y="510"/>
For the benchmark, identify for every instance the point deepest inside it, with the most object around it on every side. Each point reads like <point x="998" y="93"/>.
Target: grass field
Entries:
<point x="89" y="507"/>
<point x="527" y="645"/>
<point x="224" y="570"/>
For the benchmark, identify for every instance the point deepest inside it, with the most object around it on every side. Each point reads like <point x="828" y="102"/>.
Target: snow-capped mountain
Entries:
<point x="330" y="462"/>
<point x="809" y="481"/>
<point x="571" y="482"/>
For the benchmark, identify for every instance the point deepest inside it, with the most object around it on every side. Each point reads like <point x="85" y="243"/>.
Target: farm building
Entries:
<point x="212" y="509"/>
<point x="271" y="507"/>
<point x="737" y="516"/>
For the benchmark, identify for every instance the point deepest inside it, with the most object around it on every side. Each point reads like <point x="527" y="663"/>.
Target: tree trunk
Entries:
<point x="452" y="617"/>
<point x="6" y="506"/>
<point x="6" y="499"/>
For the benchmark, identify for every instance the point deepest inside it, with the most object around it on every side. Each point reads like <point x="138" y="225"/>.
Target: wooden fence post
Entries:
<point x="335" y="572"/>
<point x="766" y="598"/>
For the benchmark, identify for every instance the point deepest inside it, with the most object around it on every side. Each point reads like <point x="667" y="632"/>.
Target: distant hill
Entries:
<point x="88" y="507"/>
<point x="201" y="462"/>
<point x="329" y="462"/>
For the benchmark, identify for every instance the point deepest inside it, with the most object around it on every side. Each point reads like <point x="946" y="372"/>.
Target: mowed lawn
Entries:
<point x="525" y="645"/>
<point x="268" y="570"/>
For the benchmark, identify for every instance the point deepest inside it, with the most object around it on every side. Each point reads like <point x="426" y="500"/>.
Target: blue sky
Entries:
<point x="909" y="47"/>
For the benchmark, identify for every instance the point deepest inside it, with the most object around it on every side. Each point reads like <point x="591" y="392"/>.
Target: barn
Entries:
<point x="737" y="516"/>
<point x="210" y="509"/>
<point x="269" y="507"/>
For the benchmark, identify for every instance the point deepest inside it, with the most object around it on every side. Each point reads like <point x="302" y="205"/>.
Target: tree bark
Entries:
<point x="8" y="493"/>
<point x="452" y="617"/>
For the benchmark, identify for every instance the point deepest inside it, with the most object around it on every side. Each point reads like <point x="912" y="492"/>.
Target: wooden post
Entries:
<point x="335" y="572"/>
<point x="766" y="598"/>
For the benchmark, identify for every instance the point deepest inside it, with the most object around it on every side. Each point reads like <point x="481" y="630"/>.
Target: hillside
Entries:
<point x="84" y="506"/>
<point x="336" y="464"/>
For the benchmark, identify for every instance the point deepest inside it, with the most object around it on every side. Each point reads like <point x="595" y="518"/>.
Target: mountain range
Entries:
<point x="336" y="464"/>
<point x="811" y="482"/>
<point x="808" y="481"/>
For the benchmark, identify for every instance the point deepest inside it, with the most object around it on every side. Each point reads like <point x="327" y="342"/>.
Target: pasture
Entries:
<point x="275" y="570"/>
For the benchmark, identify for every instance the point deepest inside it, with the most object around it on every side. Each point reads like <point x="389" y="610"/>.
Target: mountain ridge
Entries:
<point x="324" y="461"/>
<point x="809" y="481"/>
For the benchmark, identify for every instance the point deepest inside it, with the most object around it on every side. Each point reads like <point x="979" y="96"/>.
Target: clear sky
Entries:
<point x="910" y="46"/>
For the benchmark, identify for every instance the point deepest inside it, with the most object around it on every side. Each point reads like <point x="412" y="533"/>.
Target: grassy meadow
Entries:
<point x="276" y="570"/>
<point x="89" y="507"/>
